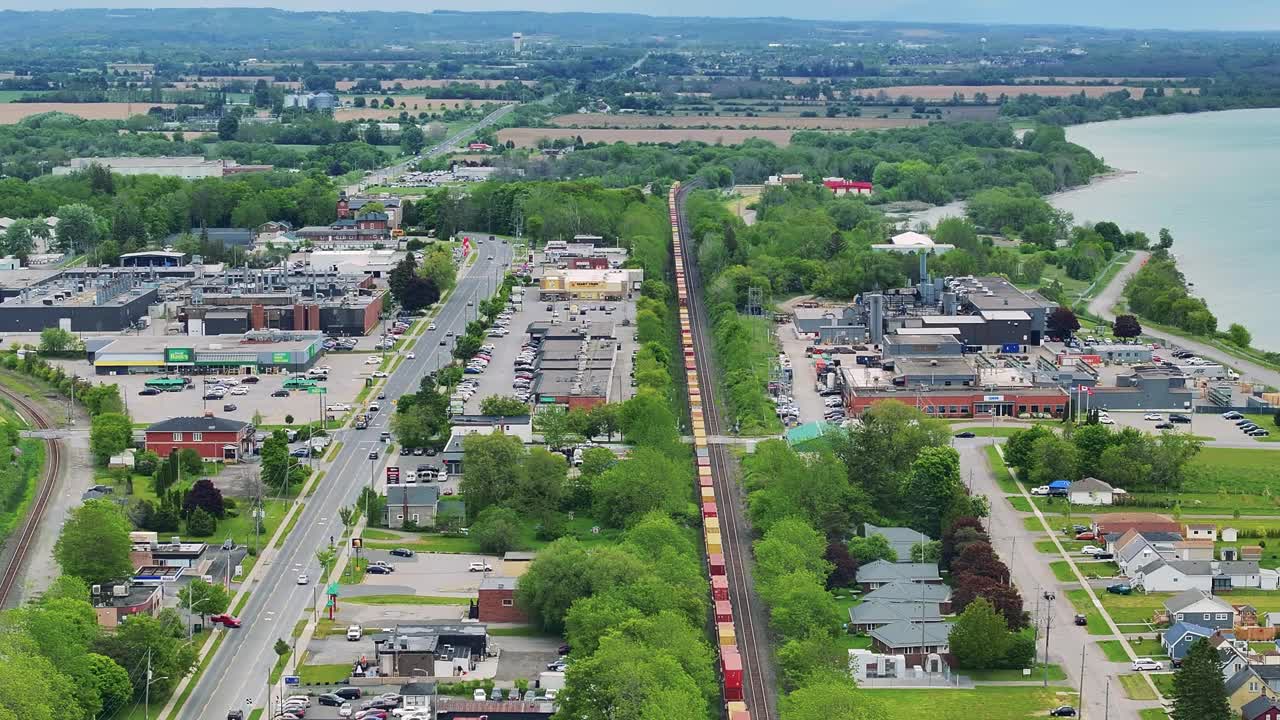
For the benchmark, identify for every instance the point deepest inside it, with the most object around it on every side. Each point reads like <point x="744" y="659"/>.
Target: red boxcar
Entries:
<point x="731" y="669"/>
<point x="704" y="481"/>
<point x="716" y="561"/>
<point x="740" y="715"/>
<point x="708" y="510"/>
<point x="724" y="611"/>
<point x="720" y="587"/>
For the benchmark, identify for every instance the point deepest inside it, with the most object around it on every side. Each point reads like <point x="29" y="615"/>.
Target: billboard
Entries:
<point x="393" y="474"/>
<point x="178" y="355"/>
<point x="280" y="358"/>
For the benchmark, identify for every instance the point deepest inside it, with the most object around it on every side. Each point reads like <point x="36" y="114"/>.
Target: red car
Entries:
<point x="226" y="620"/>
<point x="1086" y="536"/>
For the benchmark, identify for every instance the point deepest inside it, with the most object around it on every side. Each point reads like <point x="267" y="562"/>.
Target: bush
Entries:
<point x="146" y="462"/>
<point x="190" y="461"/>
<point x="201" y="523"/>
<point x="496" y="529"/>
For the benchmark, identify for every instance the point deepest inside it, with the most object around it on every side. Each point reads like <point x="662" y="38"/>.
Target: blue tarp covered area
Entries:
<point x="1059" y="484"/>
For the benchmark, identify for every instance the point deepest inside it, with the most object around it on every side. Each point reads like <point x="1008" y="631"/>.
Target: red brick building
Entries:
<point x="964" y="402"/>
<point x="215" y="438"/>
<point x="498" y="601"/>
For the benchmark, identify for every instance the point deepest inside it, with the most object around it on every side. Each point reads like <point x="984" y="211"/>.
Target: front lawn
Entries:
<point x="1056" y="673"/>
<point x="1003" y="477"/>
<point x="1062" y="571"/>
<point x="1147" y="647"/>
<point x="1080" y="600"/>
<point x="987" y="702"/>
<point x="1113" y="650"/>
<point x="1136" y="687"/>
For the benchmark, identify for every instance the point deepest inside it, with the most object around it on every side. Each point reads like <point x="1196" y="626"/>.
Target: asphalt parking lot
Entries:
<point x="346" y="378"/>
<point x="434" y="574"/>
<point x="497" y="379"/>
<point x="1208" y="425"/>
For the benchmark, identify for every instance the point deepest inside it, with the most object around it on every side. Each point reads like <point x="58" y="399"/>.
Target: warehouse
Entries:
<point x="104" y="303"/>
<point x="323" y="300"/>
<point x="258" y="352"/>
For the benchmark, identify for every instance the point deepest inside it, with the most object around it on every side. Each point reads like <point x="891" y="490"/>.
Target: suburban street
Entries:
<point x="1110" y="295"/>
<point x="1032" y="575"/>
<point x="236" y="676"/>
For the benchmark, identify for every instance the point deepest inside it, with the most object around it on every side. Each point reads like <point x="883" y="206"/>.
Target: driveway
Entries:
<point x="1031" y="574"/>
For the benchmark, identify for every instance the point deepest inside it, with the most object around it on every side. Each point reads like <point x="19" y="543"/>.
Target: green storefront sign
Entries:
<point x="280" y="358"/>
<point x="172" y="356"/>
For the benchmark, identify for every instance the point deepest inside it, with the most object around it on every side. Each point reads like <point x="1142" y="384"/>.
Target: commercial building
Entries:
<point x="250" y="353"/>
<point x="367" y="230"/>
<point x="311" y="101"/>
<point x="214" y="438"/>
<point x="951" y="387"/>
<point x="154" y="258"/>
<point x="1120" y="353"/>
<point x="190" y="167"/>
<point x="520" y="426"/>
<point x="430" y="649"/>
<point x="611" y="284"/>
<point x="497" y="601"/>
<point x="414" y="505"/>
<point x="116" y="603"/>
<point x="575" y="370"/>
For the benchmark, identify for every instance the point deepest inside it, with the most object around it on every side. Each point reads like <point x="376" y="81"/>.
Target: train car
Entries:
<point x="711" y="522"/>
<point x="720" y="587"/>
<point x="704" y="480"/>
<point x="724" y="611"/>
<point x="709" y="510"/>
<point x="714" y="545"/>
<point x="715" y="561"/>
<point x="731" y="671"/>
<point x="737" y="706"/>
<point x="726" y="636"/>
<point x="740" y="714"/>
<point x="708" y="495"/>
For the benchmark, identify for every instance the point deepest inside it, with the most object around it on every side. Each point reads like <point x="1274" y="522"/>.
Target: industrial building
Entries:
<point x="189" y="167"/>
<point x="79" y="302"/>
<point x="251" y="353"/>
<point x="310" y="299"/>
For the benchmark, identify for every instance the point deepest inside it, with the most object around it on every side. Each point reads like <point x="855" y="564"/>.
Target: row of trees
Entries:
<point x="991" y="631"/>
<point x="418" y="283"/>
<point x="1126" y="458"/>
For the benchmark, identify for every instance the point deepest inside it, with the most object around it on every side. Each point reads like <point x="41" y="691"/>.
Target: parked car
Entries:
<point x="1231" y="415"/>
<point x="330" y="699"/>
<point x="1081" y="620"/>
<point x="1179" y="418"/>
<point x="1145" y="663"/>
<point x="1086" y="536"/>
<point x="402" y="552"/>
<point x="345" y="710"/>
<point x="148" y="391"/>
<point x="355" y="632"/>
<point x="349" y="693"/>
<point x="1041" y="490"/>
<point x="1091" y="550"/>
<point x="1120" y="589"/>
<point x="280" y="393"/>
<point x="1164" y="426"/>
<point x="965" y="434"/>
<point x="480" y="567"/>
<point x="1153" y="416"/>
<point x="1063" y="711"/>
<point x="378" y="570"/>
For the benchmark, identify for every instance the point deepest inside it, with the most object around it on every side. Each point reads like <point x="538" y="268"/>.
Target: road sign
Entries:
<point x="317" y="390"/>
<point x="357" y="542"/>
<point x="291" y="680"/>
<point x="393" y="473"/>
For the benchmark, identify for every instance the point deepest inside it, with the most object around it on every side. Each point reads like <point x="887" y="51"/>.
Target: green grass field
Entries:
<point x="1148" y="647"/>
<point x="1080" y="600"/>
<point x="988" y="703"/>
<point x="1003" y="477"/>
<point x="1019" y="503"/>
<point x="1266" y="422"/>
<point x="1113" y="650"/>
<point x="1136" y="687"/>
<point x="1056" y="673"/>
<point x="317" y="674"/>
<point x="8" y="96"/>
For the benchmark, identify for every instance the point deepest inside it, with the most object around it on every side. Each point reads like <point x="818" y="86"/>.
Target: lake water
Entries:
<point x="1213" y="179"/>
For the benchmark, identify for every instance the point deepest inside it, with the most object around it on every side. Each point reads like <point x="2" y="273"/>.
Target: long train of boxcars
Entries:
<point x="747" y="690"/>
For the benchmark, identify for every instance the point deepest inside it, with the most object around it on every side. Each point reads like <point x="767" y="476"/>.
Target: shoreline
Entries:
<point x="956" y="208"/>
<point x="1098" y="179"/>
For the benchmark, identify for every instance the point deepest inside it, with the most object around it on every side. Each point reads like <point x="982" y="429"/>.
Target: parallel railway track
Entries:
<point x="750" y="630"/>
<point x="21" y="542"/>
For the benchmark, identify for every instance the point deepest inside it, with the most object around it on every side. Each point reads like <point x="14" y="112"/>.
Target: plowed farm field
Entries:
<point x="12" y="113"/>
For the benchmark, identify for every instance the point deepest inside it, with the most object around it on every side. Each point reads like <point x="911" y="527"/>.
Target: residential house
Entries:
<point x="900" y="539"/>
<point x="1162" y="575"/>
<point x="874" y="574"/>
<point x="902" y="591"/>
<point x="411" y="505"/>
<point x="1269" y="674"/>
<point x="214" y="438"/>
<point x="1261" y="708"/>
<point x="1179" y="638"/>
<point x="1142" y="522"/>
<point x="908" y="638"/>
<point x="417" y="695"/>
<point x="1246" y="686"/>
<point x="871" y="614"/>
<point x="1199" y="607"/>
<point x="1089" y="491"/>
<point x="1240" y="574"/>
<point x="1231" y="659"/>
<point x="1202" y="531"/>
<point x="497" y="601"/>
<point x="1193" y="550"/>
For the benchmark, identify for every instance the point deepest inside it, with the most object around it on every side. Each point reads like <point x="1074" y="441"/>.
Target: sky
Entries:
<point x="1172" y="14"/>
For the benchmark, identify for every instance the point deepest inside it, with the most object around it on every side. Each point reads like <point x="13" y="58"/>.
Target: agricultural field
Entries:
<point x="941" y="93"/>
<point x="12" y="113"/>
<point x="600" y="120"/>
<point x="528" y="137"/>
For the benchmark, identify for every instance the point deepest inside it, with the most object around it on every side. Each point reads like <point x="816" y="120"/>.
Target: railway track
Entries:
<point x="21" y="543"/>
<point x="755" y="687"/>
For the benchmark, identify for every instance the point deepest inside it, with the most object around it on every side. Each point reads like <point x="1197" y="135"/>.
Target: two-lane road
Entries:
<point x="236" y="676"/>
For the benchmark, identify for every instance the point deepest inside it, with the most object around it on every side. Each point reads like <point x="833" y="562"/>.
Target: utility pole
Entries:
<point x="1048" y="623"/>
<point x="1106" y="703"/>
<point x="146" y="692"/>
<point x="1082" y="681"/>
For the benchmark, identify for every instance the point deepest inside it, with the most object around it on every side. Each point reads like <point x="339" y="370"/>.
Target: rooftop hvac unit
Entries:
<point x="120" y="591"/>
<point x="96" y="590"/>
<point x="174" y="539"/>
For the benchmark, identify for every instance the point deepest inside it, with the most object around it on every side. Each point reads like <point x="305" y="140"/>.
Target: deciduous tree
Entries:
<point x="94" y="544"/>
<point x="1126" y="326"/>
<point x="496" y="529"/>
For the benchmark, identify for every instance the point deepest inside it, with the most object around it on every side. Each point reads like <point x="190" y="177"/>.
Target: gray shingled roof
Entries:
<point x="1257" y="706"/>
<point x="903" y="591"/>
<point x="1237" y="681"/>
<point x="1238" y="567"/>
<point x="900" y="539"/>
<point x="907" y="634"/>
<point x="1090" y="484"/>
<point x="882" y="571"/>
<point x="1187" y="598"/>
<point x="883" y="611"/>
<point x="416" y="494"/>
<point x="197" y="424"/>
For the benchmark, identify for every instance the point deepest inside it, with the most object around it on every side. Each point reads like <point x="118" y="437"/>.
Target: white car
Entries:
<point x="1144" y="663"/>
<point x="412" y="356"/>
<point x="1042" y="490"/>
<point x="1092" y="550"/>
<point x="479" y="567"/>
<point x="301" y="699"/>
<point x="345" y="710"/>
<point x="432" y="326"/>
<point x="303" y="579"/>
<point x="240" y="390"/>
<point x="1106" y="420"/>
<point x="1153" y="416"/>
<point x="379" y="374"/>
<point x="355" y="632"/>
<point x="372" y="360"/>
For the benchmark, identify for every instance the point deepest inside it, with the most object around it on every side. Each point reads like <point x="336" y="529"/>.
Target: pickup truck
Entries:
<point x="1042" y="490"/>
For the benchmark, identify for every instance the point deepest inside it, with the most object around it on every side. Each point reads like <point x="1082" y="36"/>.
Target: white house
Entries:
<point x="1242" y="573"/>
<point x="1161" y="575"/>
<point x="1202" y="531"/>
<point x="1090" y="491"/>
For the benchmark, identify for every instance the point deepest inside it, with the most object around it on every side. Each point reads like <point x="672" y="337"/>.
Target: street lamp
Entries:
<point x="190" y="610"/>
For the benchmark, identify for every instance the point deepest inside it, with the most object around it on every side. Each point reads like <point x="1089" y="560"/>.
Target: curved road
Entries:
<point x="236" y="676"/>
<point x="1110" y="295"/>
